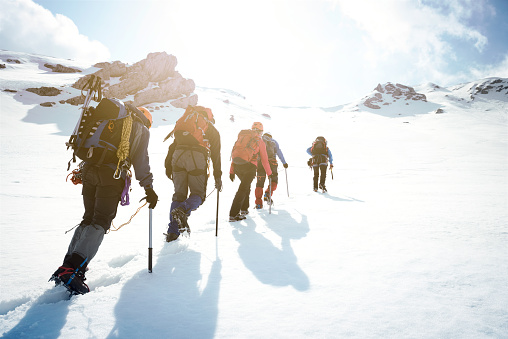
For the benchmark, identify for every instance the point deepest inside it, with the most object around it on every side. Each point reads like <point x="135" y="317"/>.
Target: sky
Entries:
<point x="318" y="53"/>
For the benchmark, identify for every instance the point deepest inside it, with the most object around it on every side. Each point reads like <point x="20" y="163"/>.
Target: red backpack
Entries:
<point x="190" y="129"/>
<point x="245" y="147"/>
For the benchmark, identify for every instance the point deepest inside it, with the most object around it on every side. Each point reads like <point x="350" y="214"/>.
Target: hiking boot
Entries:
<point x="238" y="217"/>
<point x="71" y="278"/>
<point x="258" y="206"/>
<point x="180" y="217"/>
<point x="268" y="198"/>
<point x="171" y="237"/>
<point x="323" y="187"/>
<point x="315" y="189"/>
<point x="244" y="212"/>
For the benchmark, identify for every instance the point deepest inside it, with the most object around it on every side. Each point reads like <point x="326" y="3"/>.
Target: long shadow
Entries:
<point x="172" y="297"/>
<point x="334" y="198"/>
<point x="45" y="318"/>
<point x="269" y="264"/>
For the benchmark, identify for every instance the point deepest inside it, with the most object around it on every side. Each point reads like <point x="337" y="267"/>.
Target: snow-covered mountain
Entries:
<point x="409" y="242"/>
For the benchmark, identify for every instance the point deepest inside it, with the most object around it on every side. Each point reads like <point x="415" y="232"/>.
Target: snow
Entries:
<point x="409" y="242"/>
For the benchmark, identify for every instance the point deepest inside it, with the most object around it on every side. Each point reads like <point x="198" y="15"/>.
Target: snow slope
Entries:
<point x="409" y="242"/>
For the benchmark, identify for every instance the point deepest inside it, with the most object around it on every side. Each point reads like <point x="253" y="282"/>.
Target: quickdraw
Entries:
<point x="77" y="175"/>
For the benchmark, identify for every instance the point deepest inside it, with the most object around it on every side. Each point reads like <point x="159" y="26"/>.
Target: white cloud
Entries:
<point x="410" y="27"/>
<point x="28" y="27"/>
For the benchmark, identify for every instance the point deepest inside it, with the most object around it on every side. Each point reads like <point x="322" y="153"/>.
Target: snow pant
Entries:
<point x="317" y="169"/>
<point x="261" y="178"/>
<point x="101" y="195"/>
<point x="189" y="175"/>
<point x="246" y="174"/>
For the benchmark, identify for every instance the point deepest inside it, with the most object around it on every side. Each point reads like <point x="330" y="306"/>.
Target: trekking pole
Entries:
<point x="217" y="216"/>
<point x="287" y="186"/>
<point x="270" y="195"/>
<point x="331" y="172"/>
<point x="150" y="240"/>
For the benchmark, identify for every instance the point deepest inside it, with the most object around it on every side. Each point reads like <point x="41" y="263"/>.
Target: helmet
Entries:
<point x="258" y="126"/>
<point x="147" y="114"/>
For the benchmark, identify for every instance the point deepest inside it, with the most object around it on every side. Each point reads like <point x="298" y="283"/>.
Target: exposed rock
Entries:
<point x="2" y="66"/>
<point x="490" y="86"/>
<point x="45" y="91"/>
<point x="172" y="88"/>
<point x="153" y="79"/>
<point x="48" y="104"/>
<point x="79" y="100"/>
<point x="10" y="90"/>
<point x="397" y="91"/>
<point x="62" y="69"/>
<point x="15" y="61"/>
<point x="439" y="111"/>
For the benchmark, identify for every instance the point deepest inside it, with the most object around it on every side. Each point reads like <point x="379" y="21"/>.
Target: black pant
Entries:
<point x="101" y="195"/>
<point x="246" y="174"/>
<point x="317" y="169"/>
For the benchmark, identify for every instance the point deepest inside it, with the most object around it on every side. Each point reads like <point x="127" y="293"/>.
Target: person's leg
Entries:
<point x="246" y="174"/>
<point x="316" y="177"/>
<point x="323" y="175"/>
<point x="260" y="183"/>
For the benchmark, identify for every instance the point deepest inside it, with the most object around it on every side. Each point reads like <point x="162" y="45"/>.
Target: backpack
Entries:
<point x="270" y="147"/>
<point x="190" y="129"/>
<point x="319" y="146"/>
<point x="245" y="147"/>
<point x="100" y="132"/>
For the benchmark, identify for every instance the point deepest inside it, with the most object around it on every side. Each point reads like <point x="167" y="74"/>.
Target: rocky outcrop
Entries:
<point x="397" y="92"/>
<point x="153" y="79"/>
<point x="45" y="91"/>
<point x="490" y="86"/>
<point x="61" y="68"/>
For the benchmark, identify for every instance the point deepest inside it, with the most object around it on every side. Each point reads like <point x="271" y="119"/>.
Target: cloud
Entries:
<point x="395" y="26"/>
<point x="28" y="27"/>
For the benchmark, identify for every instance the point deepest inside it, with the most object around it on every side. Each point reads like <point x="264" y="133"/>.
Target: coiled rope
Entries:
<point x="123" y="148"/>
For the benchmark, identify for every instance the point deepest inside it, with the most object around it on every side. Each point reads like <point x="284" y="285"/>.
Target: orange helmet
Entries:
<point x="147" y="114"/>
<point x="258" y="126"/>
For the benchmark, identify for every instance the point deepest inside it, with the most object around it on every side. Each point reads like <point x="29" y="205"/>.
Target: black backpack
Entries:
<point x="102" y="129"/>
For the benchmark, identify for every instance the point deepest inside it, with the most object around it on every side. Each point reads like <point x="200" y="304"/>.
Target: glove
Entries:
<point x="331" y="166"/>
<point x="151" y="198"/>
<point x="285" y="165"/>
<point x="218" y="184"/>
<point x="232" y="177"/>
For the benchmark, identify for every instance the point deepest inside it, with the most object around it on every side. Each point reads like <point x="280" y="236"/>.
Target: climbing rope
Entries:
<point x="113" y="228"/>
<point x="123" y="149"/>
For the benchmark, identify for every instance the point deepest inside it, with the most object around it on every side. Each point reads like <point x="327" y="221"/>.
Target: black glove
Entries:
<point x="285" y="165"/>
<point x="232" y="176"/>
<point x="151" y="197"/>
<point x="218" y="184"/>
<point x="331" y="166"/>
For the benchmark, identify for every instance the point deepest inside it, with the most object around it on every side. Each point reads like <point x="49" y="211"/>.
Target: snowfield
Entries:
<point x="409" y="242"/>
